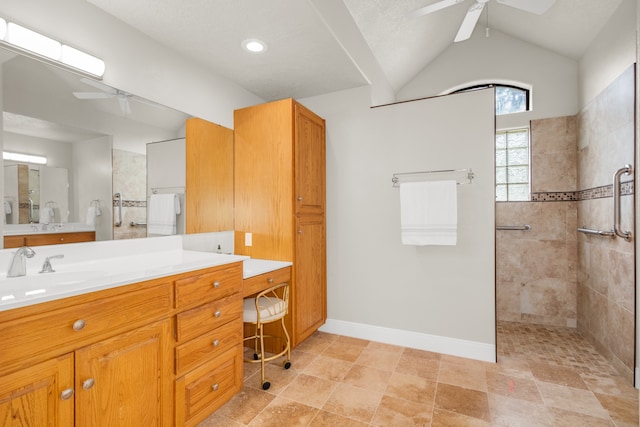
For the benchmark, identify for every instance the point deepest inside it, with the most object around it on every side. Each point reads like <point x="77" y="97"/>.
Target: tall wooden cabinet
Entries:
<point x="279" y="188"/>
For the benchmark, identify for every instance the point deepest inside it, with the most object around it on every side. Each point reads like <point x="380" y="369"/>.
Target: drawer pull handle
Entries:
<point x="78" y="325"/>
<point x="299" y="198"/>
<point x="270" y="280"/>
<point x="87" y="384"/>
<point x="216" y="284"/>
<point x="215" y="387"/>
<point x="216" y="343"/>
<point x="66" y="394"/>
<point x="217" y="313"/>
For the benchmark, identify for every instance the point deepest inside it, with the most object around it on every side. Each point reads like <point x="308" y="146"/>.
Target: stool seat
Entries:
<point x="270" y="309"/>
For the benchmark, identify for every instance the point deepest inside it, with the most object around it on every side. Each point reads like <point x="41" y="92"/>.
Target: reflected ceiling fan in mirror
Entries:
<point x="537" y="7"/>
<point x="107" y="92"/>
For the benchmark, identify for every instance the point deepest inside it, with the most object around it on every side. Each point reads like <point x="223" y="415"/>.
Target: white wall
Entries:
<point x="610" y="54"/>
<point x="554" y="78"/>
<point x="92" y="171"/>
<point x="434" y="297"/>
<point x="134" y="63"/>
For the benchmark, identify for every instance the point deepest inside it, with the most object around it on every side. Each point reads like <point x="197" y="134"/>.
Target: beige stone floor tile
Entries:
<point x="623" y="412"/>
<point x="383" y="360"/>
<point x="511" y="412"/>
<point x="421" y="354"/>
<point x="352" y="341"/>
<point x="244" y="406"/>
<point x="353" y="402"/>
<point x="472" y="403"/>
<point x="367" y="377"/>
<point x="561" y="375"/>
<point x="309" y="390"/>
<point x="343" y="351"/>
<point x="328" y="368"/>
<point x="315" y="344"/>
<point x="300" y="359"/>
<point x="511" y="366"/>
<point x="282" y="412"/>
<point x="274" y="374"/>
<point x="421" y="367"/>
<point x="463" y="373"/>
<point x="377" y="346"/>
<point x="614" y="385"/>
<point x="563" y="418"/>
<point x="442" y="418"/>
<point x="328" y="419"/>
<point x="571" y="399"/>
<point x="412" y="388"/>
<point x="217" y="420"/>
<point x="393" y="412"/>
<point x="515" y="387"/>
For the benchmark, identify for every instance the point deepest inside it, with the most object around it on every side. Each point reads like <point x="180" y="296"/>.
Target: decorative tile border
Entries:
<point x="626" y="189"/>
<point x="130" y="203"/>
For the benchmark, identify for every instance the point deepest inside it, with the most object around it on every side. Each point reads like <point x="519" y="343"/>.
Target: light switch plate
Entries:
<point x="248" y="239"/>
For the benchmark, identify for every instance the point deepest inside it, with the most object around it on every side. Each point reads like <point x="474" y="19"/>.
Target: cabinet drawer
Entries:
<point x="59" y="238"/>
<point x="256" y="284"/>
<point x="205" y="318"/>
<point x="208" y="286"/>
<point x="205" y="389"/>
<point x="198" y="350"/>
<point x="77" y="325"/>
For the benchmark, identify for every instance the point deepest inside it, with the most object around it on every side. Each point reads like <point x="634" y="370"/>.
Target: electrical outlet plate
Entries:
<point x="248" y="239"/>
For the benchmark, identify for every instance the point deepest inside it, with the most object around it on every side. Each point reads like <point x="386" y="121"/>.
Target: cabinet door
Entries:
<point x="126" y="380"/>
<point x="309" y="162"/>
<point x="41" y="395"/>
<point x="310" y="288"/>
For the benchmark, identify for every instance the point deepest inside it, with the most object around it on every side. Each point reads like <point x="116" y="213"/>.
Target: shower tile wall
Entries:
<point x="130" y="180"/>
<point x="606" y="266"/>
<point x="537" y="270"/>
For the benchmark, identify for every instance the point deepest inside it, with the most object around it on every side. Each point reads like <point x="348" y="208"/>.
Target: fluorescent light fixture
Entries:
<point x="38" y="46"/>
<point x="27" y="158"/>
<point x="83" y="61"/>
<point x="32" y="41"/>
<point x="254" y="45"/>
<point x="3" y="28"/>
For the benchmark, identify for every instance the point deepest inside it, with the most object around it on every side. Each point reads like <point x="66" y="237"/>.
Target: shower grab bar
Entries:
<point x="626" y="170"/>
<point x="525" y="227"/>
<point x="118" y="197"/>
<point x="137" y="224"/>
<point x="597" y="232"/>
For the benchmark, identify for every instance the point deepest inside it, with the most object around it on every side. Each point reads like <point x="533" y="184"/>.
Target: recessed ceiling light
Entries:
<point x="254" y="45"/>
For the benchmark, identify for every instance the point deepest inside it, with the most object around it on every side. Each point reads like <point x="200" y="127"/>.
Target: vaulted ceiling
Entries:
<point x="321" y="46"/>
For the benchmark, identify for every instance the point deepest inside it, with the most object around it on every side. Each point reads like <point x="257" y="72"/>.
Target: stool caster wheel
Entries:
<point x="266" y="385"/>
<point x="255" y="356"/>
<point x="286" y="364"/>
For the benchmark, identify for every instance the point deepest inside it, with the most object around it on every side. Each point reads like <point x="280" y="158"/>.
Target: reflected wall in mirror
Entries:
<point x="96" y="133"/>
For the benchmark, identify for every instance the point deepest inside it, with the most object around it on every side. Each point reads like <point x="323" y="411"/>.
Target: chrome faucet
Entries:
<point x="46" y="267"/>
<point x="18" y="266"/>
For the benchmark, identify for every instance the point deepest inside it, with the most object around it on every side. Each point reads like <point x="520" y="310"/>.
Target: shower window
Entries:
<point x="512" y="165"/>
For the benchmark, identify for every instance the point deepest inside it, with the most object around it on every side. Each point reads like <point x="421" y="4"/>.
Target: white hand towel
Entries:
<point x="163" y="209"/>
<point x="429" y="213"/>
<point x="91" y="215"/>
<point x="46" y="215"/>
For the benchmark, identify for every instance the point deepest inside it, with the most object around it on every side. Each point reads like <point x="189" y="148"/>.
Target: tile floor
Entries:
<point x="342" y="381"/>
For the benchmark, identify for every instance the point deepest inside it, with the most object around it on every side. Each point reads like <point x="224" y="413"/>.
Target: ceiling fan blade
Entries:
<point x="98" y="85"/>
<point x="533" y="6"/>
<point x="434" y="7"/>
<point x="93" y="95"/>
<point x="469" y="22"/>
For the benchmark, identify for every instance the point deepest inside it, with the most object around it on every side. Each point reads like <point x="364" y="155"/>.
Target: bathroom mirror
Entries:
<point x="96" y="133"/>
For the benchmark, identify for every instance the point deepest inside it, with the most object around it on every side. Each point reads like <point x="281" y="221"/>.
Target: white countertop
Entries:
<point x="95" y="266"/>
<point x="21" y="229"/>
<point x="254" y="267"/>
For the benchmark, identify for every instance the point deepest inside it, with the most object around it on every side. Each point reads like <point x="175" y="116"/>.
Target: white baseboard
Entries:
<point x="437" y="344"/>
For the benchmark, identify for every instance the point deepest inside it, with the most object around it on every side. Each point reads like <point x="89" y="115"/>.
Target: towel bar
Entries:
<point x="525" y="227"/>
<point x="597" y="232"/>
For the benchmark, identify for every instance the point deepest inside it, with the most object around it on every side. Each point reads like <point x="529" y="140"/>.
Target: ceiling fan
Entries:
<point x="475" y="10"/>
<point x="106" y="92"/>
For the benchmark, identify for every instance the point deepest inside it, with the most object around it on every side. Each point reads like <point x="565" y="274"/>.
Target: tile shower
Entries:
<point x="130" y="180"/>
<point x="552" y="275"/>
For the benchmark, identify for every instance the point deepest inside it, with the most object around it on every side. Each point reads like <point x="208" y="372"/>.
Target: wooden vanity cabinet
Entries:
<point x="162" y="352"/>
<point x="48" y="239"/>
<point x="279" y="176"/>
